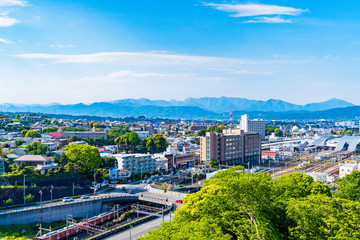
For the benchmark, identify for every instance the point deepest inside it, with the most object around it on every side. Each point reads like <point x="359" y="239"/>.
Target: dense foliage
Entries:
<point x="36" y="148"/>
<point x="83" y="159"/>
<point x="235" y="205"/>
<point x="272" y="129"/>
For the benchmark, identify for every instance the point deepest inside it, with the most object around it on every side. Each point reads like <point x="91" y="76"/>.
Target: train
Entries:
<point x="75" y="229"/>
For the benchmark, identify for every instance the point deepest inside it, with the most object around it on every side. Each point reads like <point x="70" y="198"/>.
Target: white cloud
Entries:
<point x="8" y="3"/>
<point x="250" y="10"/>
<point x="62" y="45"/>
<point x="250" y="72"/>
<point x="135" y="58"/>
<point x="253" y="10"/>
<point x="7" y="22"/>
<point x="269" y="20"/>
<point x="6" y="41"/>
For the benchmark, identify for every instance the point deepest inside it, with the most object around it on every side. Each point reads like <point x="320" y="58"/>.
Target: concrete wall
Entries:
<point x="59" y="211"/>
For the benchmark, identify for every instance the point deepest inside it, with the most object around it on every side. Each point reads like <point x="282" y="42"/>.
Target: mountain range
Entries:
<point x="209" y="107"/>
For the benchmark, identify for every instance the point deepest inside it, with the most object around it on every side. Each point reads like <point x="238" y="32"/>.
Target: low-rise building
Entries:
<point x="44" y="164"/>
<point x="116" y="174"/>
<point x="136" y="163"/>
<point x="347" y="169"/>
<point x="143" y="134"/>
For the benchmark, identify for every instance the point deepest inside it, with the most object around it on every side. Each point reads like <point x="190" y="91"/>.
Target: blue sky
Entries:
<point x="86" y="51"/>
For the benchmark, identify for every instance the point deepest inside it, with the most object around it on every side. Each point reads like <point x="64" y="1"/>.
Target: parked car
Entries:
<point x="179" y="201"/>
<point x="85" y="197"/>
<point x="67" y="199"/>
<point x="130" y="192"/>
<point x="123" y="189"/>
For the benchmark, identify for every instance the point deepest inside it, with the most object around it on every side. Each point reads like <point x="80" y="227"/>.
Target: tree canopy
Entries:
<point x="82" y="158"/>
<point x="33" y="134"/>
<point x="36" y="148"/>
<point x="238" y="205"/>
<point x="349" y="187"/>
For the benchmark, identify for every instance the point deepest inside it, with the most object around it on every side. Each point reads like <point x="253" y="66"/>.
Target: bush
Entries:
<point x="29" y="197"/>
<point x="9" y="201"/>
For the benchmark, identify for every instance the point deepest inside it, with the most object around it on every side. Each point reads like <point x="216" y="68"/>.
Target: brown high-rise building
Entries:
<point x="232" y="147"/>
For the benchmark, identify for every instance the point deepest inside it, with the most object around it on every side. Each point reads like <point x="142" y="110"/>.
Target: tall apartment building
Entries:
<point x="256" y="125"/>
<point x="136" y="163"/>
<point x="232" y="147"/>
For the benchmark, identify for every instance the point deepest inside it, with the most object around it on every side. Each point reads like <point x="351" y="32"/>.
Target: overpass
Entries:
<point x="78" y="209"/>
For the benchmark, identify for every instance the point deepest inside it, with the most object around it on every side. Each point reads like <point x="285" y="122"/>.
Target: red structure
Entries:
<point x="72" y="230"/>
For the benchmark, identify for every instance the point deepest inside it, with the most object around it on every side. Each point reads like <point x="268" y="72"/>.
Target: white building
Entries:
<point x="161" y="161"/>
<point x="255" y="126"/>
<point x="347" y="168"/>
<point x="115" y="174"/>
<point x="143" y="134"/>
<point x="318" y="176"/>
<point x="136" y="163"/>
<point x="349" y="124"/>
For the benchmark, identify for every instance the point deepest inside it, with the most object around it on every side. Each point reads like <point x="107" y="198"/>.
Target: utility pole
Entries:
<point x="24" y="190"/>
<point x="94" y="182"/>
<point x="73" y="192"/>
<point x="162" y="210"/>
<point x="130" y="227"/>
<point x="51" y="191"/>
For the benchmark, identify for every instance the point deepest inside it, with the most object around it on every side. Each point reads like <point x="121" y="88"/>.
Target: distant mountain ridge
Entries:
<point x="224" y="104"/>
<point x="212" y="108"/>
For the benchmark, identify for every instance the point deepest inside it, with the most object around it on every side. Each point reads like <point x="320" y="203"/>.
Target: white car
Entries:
<point x="67" y="199"/>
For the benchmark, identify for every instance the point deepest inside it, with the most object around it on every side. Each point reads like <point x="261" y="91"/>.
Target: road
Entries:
<point x="139" y="230"/>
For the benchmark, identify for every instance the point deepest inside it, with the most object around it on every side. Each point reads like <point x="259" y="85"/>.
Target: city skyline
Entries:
<point x="91" y="51"/>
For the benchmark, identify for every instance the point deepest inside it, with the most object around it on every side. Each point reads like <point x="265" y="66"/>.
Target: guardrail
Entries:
<point x="126" y="225"/>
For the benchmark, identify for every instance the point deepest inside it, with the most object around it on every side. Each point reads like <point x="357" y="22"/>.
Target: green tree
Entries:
<point x="82" y="158"/>
<point x="298" y="185"/>
<point x="201" y="133"/>
<point x="49" y="130"/>
<point x="220" y="128"/>
<point x="278" y="132"/>
<point x="36" y="148"/>
<point x="159" y="142"/>
<point x="29" y="198"/>
<point x="349" y="187"/>
<point x="9" y="201"/>
<point x="149" y="144"/>
<point x="24" y="132"/>
<point x="108" y="162"/>
<point x="323" y="217"/>
<point x="134" y="140"/>
<point x="33" y="134"/>
<point x="19" y="142"/>
<point x="214" y="163"/>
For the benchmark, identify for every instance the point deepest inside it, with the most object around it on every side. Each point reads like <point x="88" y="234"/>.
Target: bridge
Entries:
<point x="78" y="209"/>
